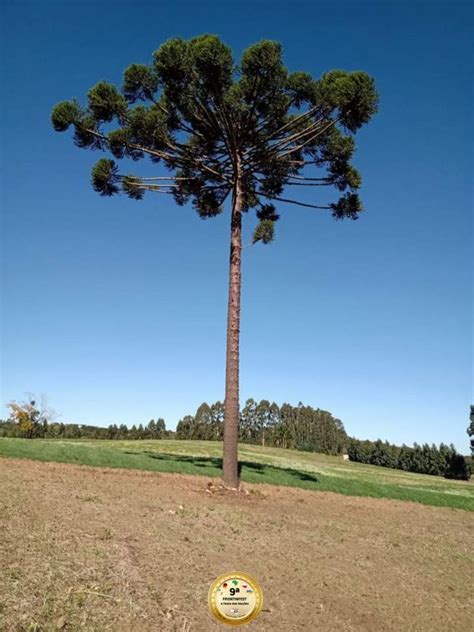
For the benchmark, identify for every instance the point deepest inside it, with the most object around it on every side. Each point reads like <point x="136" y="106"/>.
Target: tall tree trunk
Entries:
<point x="231" y="418"/>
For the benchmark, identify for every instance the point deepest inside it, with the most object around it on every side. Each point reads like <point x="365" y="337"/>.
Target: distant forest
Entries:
<point x="423" y="459"/>
<point x="52" y="430"/>
<point x="261" y="423"/>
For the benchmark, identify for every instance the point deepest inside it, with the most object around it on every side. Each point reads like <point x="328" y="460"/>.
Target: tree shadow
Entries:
<point x="269" y="472"/>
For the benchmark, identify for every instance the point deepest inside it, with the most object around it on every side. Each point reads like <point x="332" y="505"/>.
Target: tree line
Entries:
<point x="267" y="424"/>
<point x="152" y="430"/>
<point x="261" y="423"/>
<point x="423" y="459"/>
<point x="28" y="421"/>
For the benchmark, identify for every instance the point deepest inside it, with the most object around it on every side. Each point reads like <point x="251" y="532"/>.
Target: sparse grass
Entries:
<point x="88" y="549"/>
<point x="258" y="465"/>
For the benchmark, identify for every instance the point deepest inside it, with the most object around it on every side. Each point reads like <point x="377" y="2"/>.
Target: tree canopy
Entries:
<point x="202" y="116"/>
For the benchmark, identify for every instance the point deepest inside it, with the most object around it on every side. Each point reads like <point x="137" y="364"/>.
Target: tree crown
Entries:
<point x="211" y="122"/>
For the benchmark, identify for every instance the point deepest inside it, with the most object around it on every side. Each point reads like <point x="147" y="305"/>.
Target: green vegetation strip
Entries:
<point x="259" y="465"/>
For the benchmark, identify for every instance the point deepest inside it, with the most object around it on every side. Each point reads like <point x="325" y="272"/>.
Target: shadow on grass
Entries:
<point x="248" y="470"/>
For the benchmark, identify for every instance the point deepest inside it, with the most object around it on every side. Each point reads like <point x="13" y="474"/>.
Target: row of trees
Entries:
<point x="264" y="423"/>
<point x="33" y="420"/>
<point x="45" y="430"/>
<point x="425" y="459"/>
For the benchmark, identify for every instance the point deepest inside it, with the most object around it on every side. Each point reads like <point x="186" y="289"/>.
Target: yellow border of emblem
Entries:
<point x="229" y="577"/>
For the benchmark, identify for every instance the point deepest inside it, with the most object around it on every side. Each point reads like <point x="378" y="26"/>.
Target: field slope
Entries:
<point x="259" y="465"/>
<point x="88" y="549"/>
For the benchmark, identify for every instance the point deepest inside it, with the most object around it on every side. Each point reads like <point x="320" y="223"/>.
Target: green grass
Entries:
<point x="259" y="465"/>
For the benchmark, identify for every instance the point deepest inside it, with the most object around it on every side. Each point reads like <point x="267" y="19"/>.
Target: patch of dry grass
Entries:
<point x="90" y="549"/>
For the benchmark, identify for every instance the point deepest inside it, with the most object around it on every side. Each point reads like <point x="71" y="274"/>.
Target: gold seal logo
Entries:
<point x="235" y="598"/>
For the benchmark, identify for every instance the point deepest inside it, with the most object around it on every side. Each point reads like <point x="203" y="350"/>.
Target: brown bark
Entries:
<point x="231" y="418"/>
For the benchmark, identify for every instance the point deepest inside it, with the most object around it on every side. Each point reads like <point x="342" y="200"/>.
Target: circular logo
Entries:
<point x="235" y="598"/>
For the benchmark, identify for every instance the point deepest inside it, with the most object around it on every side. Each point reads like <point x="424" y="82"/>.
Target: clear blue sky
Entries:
<point x="116" y="309"/>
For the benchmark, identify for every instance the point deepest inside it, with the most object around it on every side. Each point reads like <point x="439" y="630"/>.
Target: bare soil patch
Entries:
<point x="96" y="549"/>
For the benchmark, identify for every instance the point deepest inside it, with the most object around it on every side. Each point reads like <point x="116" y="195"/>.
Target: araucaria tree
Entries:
<point x="220" y="130"/>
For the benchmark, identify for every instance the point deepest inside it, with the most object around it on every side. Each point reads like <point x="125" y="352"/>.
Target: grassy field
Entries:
<point x="259" y="465"/>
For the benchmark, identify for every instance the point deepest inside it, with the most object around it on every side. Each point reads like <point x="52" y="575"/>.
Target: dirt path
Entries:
<point x="97" y="550"/>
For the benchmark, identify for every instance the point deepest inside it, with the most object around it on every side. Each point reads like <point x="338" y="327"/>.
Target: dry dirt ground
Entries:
<point x="98" y="549"/>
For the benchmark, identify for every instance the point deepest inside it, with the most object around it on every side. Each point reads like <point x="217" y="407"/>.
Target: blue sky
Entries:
<point x="115" y="309"/>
